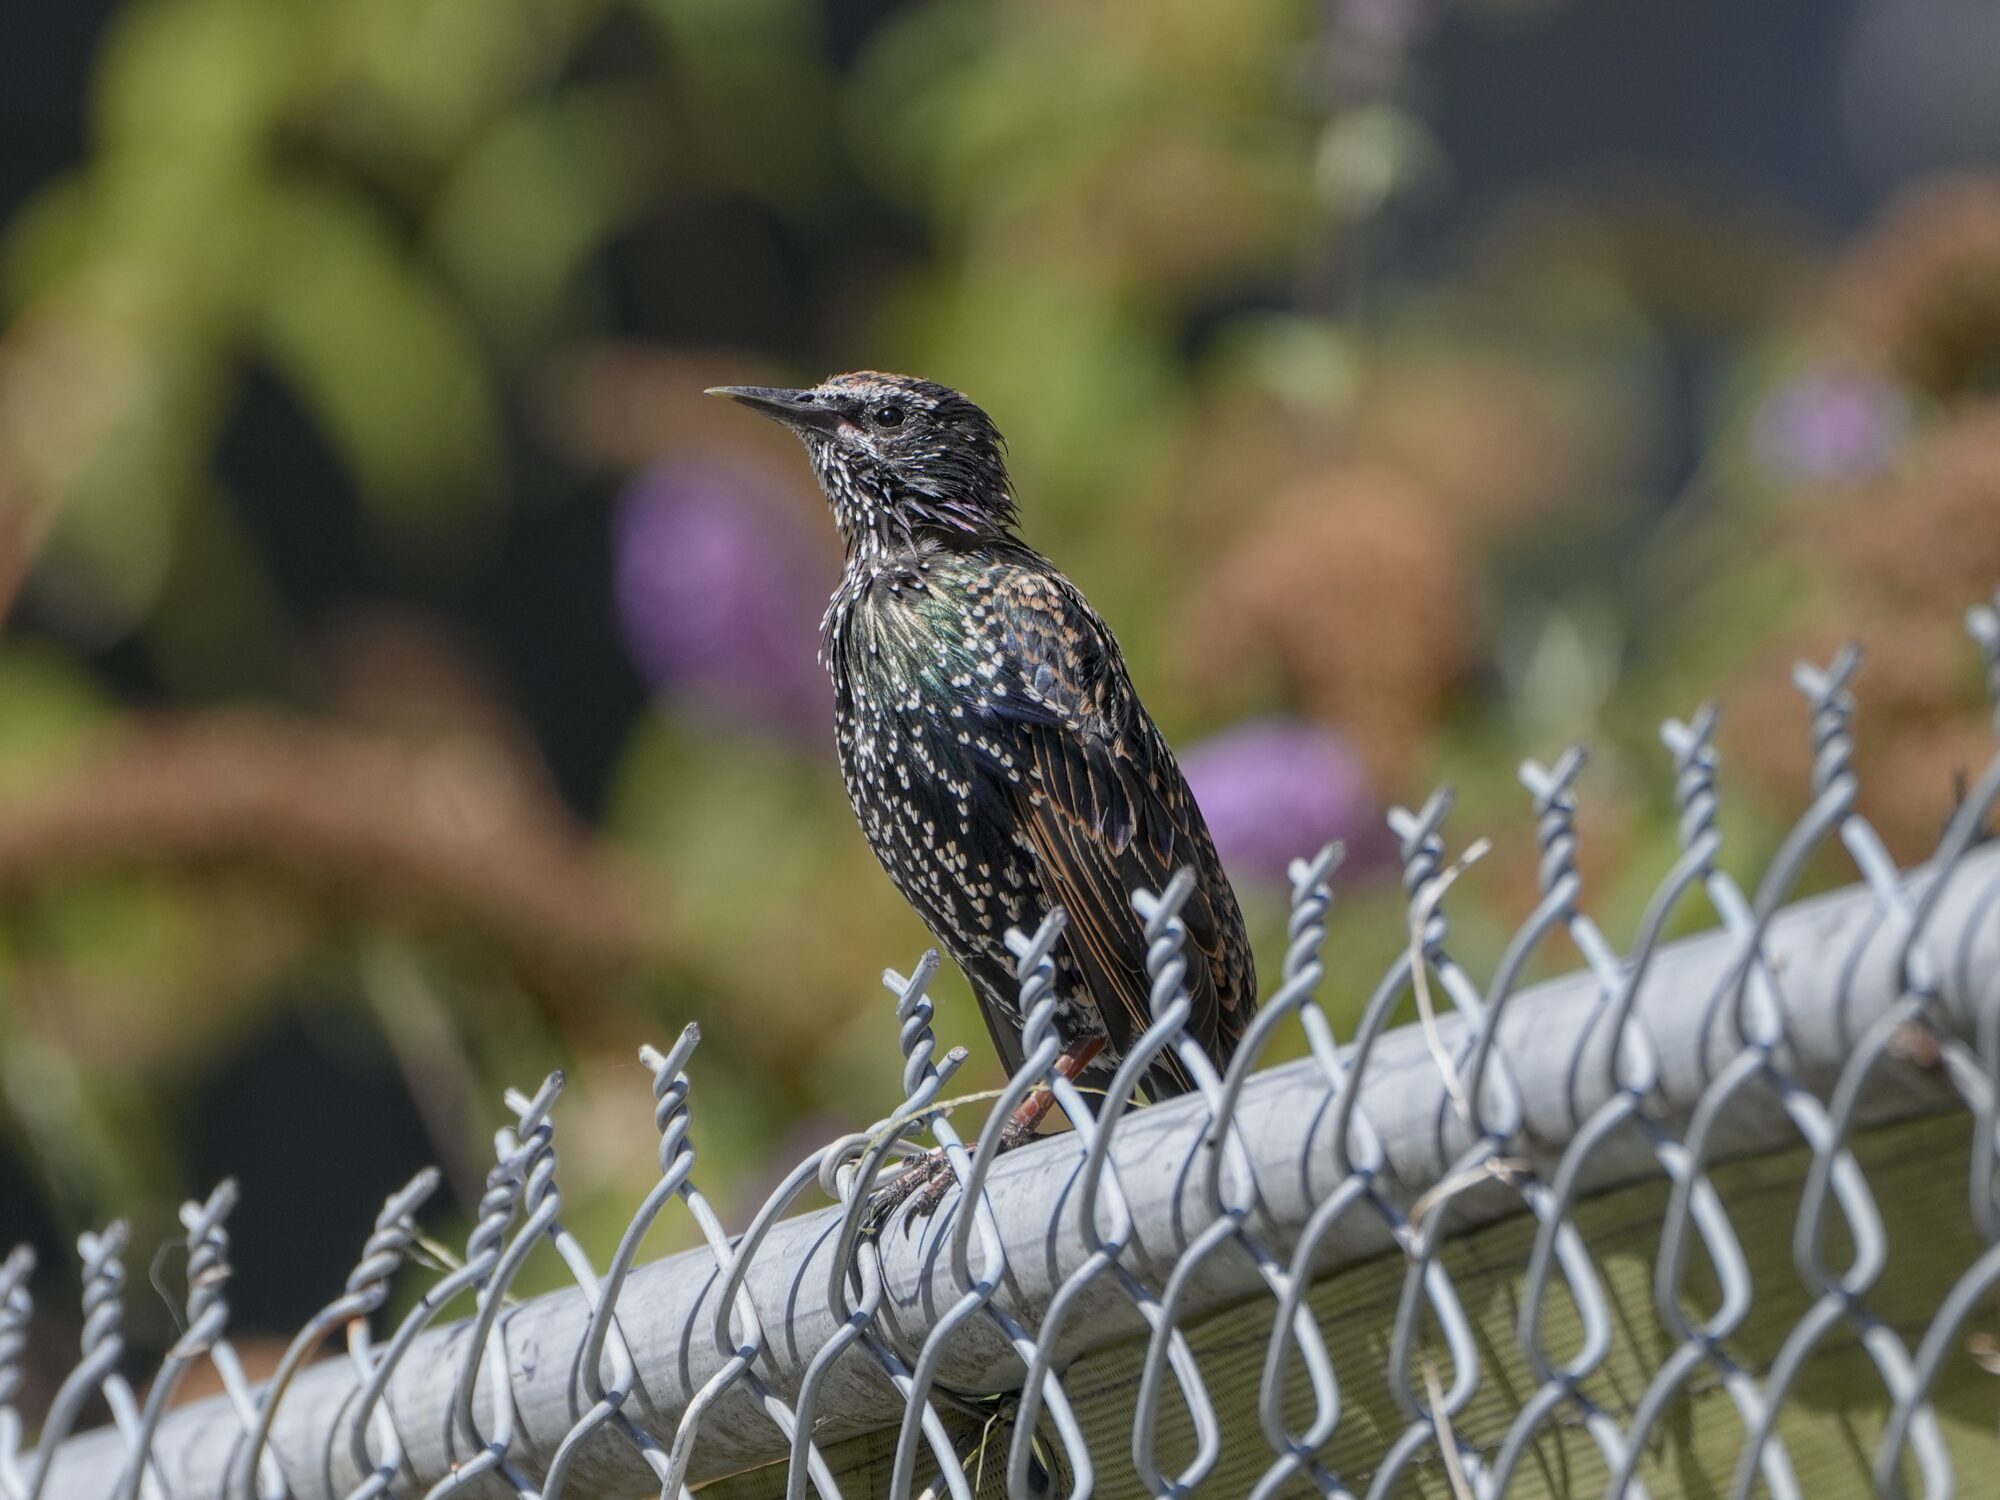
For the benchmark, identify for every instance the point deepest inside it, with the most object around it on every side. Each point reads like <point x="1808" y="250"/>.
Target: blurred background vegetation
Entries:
<point x="407" y="681"/>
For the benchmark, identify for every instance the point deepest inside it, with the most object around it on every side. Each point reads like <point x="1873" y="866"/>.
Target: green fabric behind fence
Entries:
<point x="1917" y="1173"/>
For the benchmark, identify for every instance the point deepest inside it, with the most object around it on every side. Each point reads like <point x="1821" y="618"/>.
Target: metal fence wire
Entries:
<point x="1718" y="1216"/>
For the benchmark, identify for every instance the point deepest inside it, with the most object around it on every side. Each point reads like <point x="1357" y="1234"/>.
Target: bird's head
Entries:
<point x="899" y="458"/>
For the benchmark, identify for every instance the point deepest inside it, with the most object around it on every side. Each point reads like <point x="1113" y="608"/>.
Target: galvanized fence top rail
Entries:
<point x="1789" y="1024"/>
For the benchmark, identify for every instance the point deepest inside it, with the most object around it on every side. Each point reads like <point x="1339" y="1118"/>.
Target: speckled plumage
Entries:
<point x="997" y="756"/>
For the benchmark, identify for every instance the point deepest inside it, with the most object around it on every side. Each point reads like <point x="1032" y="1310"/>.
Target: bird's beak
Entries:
<point x="798" y="410"/>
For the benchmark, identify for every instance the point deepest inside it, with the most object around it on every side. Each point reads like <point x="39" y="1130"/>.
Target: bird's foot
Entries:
<point x="922" y="1183"/>
<point x="925" y="1180"/>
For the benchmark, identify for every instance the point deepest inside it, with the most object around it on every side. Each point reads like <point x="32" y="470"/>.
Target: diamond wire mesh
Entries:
<point x="955" y="1362"/>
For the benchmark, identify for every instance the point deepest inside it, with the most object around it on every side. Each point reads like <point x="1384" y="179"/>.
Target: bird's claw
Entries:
<point x="925" y="1180"/>
<point x="922" y="1184"/>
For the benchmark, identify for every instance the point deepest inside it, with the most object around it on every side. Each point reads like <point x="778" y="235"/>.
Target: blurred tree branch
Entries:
<point x="445" y="834"/>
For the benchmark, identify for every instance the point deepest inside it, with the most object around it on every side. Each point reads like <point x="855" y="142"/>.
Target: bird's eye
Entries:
<point x="889" y="416"/>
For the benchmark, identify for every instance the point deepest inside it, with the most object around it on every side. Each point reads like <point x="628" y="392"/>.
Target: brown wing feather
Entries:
<point x="1107" y="811"/>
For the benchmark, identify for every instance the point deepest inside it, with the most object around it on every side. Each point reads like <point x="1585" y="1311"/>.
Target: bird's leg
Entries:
<point x="924" y="1180"/>
<point x="1026" y="1121"/>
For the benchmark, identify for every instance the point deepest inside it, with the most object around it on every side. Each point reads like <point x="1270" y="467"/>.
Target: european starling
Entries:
<point x="997" y="756"/>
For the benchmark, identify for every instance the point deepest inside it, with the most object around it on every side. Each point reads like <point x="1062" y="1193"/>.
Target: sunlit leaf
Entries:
<point x="537" y="194"/>
<point x="195" y="78"/>
<point x="378" y="351"/>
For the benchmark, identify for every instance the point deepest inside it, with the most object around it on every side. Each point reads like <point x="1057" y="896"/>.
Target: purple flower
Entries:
<point x="719" y="591"/>
<point x="1831" y="426"/>
<point x="1274" y="790"/>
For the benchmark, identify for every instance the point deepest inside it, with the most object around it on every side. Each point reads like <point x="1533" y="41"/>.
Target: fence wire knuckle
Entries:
<point x="1060" y="1325"/>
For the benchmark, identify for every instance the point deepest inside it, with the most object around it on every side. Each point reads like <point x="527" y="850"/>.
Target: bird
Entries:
<point x="997" y="756"/>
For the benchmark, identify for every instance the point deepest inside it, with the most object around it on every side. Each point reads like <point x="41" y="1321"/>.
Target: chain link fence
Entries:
<point x="1715" y="1217"/>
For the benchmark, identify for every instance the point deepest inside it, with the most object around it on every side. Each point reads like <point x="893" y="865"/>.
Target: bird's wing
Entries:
<point x="1107" y="810"/>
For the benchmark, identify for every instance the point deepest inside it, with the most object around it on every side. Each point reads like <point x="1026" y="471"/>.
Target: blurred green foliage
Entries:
<point x="1437" y="512"/>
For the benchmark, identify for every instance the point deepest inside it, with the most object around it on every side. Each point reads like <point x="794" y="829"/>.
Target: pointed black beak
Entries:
<point x="796" y="409"/>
